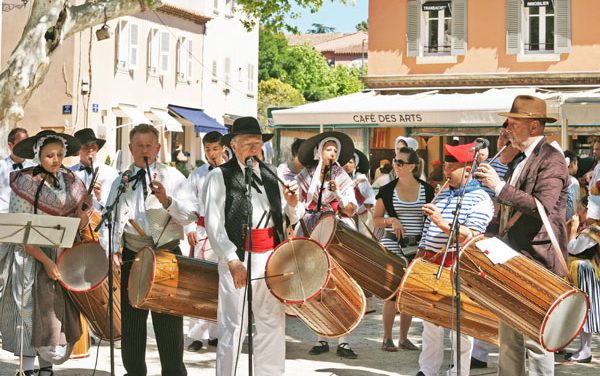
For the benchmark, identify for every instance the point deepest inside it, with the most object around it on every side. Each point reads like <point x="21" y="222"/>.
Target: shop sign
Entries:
<point x="436" y="6"/>
<point x="537" y="3"/>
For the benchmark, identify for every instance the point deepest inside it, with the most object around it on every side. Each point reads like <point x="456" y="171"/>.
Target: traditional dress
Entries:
<point x="365" y="195"/>
<point x="50" y="320"/>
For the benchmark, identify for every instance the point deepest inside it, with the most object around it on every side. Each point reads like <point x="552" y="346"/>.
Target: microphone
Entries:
<point x="125" y="177"/>
<point x="249" y="162"/>
<point x="482" y="143"/>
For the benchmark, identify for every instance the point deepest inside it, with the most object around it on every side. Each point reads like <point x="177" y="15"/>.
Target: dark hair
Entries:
<point x="143" y="128"/>
<point x="584" y="201"/>
<point x="386" y="168"/>
<point x="413" y="158"/>
<point x="211" y="137"/>
<point x="571" y="155"/>
<point x="296" y="146"/>
<point x="12" y="135"/>
<point x="51" y="140"/>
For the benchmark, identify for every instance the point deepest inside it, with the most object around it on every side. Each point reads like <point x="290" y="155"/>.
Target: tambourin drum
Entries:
<point x="374" y="267"/>
<point x="81" y="348"/>
<point x="84" y="273"/>
<point x="522" y="293"/>
<point x="163" y="282"/>
<point x="423" y="296"/>
<point x="314" y="288"/>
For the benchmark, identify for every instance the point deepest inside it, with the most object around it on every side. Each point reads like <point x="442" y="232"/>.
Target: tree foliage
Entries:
<point x="318" y="28"/>
<point x="274" y="93"/>
<point x="272" y="14"/>
<point x="362" y="26"/>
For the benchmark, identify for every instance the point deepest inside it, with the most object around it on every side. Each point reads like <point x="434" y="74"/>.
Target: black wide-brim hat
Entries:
<point x="245" y="125"/>
<point x="363" y="162"/>
<point x="24" y="149"/>
<point x="307" y="149"/>
<point x="87" y="135"/>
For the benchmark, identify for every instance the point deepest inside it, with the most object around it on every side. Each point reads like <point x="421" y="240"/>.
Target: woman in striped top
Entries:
<point x="399" y="208"/>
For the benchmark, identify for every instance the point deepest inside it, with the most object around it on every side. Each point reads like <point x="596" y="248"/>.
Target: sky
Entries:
<point x="334" y="14"/>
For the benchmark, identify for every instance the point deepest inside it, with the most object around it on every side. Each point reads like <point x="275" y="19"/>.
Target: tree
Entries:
<point x="274" y="93"/>
<point x="307" y="71"/>
<point x="272" y="14"/>
<point x="272" y="52"/>
<point x="362" y="26"/>
<point x="50" y="23"/>
<point x="346" y="80"/>
<point x="318" y="28"/>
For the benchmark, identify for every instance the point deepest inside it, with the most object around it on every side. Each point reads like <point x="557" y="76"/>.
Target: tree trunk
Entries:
<point x="51" y="22"/>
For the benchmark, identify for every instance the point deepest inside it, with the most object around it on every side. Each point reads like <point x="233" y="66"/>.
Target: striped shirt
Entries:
<point x="476" y="212"/>
<point x="410" y="215"/>
<point x="501" y="170"/>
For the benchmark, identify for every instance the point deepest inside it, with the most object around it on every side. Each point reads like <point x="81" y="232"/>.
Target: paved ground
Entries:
<point x="366" y="341"/>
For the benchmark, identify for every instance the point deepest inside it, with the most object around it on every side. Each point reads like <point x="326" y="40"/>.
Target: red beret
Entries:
<point x="459" y="153"/>
<point x="437" y="162"/>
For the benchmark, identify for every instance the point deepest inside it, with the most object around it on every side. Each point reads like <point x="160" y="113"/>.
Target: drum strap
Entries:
<point x="552" y="236"/>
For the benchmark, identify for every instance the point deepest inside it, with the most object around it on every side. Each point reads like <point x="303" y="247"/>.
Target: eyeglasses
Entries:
<point x="401" y="163"/>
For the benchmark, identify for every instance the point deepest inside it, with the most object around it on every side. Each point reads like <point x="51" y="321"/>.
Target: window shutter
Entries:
<point x="513" y="26"/>
<point x="227" y="69"/>
<point x="562" y="26"/>
<point x="250" y="78"/>
<point x="459" y="27"/>
<point x="190" y="59"/>
<point x="214" y="70"/>
<point x="164" y="52"/>
<point x="413" y="24"/>
<point x="154" y="51"/>
<point x="181" y="58"/>
<point x="133" y="45"/>
<point x="122" y="48"/>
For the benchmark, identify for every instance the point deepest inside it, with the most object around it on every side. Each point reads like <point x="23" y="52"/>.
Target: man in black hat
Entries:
<point x="85" y="169"/>
<point x="227" y="209"/>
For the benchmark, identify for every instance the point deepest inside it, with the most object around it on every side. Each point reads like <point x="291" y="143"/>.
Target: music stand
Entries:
<point x="40" y="231"/>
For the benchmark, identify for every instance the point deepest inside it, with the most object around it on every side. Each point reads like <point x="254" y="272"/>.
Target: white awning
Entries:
<point x="582" y="108"/>
<point x="131" y="112"/>
<point x="429" y="109"/>
<point x="163" y="117"/>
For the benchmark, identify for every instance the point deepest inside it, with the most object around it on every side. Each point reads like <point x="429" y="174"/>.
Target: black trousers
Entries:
<point x="167" y="328"/>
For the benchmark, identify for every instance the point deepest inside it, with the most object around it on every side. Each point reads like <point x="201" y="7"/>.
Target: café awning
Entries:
<point x="202" y="122"/>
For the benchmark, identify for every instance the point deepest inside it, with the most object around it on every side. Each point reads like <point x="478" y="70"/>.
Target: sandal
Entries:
<point x="388" y="345"/>
<point x="46" y="371"/>
<point x="408" y="345"/>
<point x="321" y="348"/>
<point x="345" y="351"/>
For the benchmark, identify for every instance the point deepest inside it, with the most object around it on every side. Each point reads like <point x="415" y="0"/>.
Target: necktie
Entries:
<point x="140" y="178"/>
<point x="17" y="166"/>
<point x="87" y="169"/>
<point x="256" y="181"/>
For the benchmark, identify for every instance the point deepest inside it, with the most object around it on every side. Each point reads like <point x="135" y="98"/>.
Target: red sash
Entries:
<point x="263" y="239"/>
<point x="200" y="222"/>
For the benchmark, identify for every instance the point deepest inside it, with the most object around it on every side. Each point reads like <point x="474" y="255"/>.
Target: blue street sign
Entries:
<point x="67" y="109"/>
<point x="94" y="107"/>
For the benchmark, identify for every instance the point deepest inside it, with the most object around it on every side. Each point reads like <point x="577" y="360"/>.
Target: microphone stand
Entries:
<point x="249" y="263"/>
<point x="107" y="217"/>
<point x="454" y="235"/>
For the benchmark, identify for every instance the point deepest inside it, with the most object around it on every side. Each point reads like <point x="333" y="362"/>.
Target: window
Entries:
<point x="153" y="52"/>
<point x="164" y="52"/>
<point x="229" y="7"/>
<point x="190" y="59"/>
<point x="185" y="59"/>
<point x="128" y="45"/>
<point x="240" y="74"/>
<point x="216" y="7"/>
<point x="436" y="28"/>
<point x="227" y="70"/>
<point x="438" y="31"/>
<point x="251" y="78"/>
<point x="214" y="71"/>
<point x="537" y="28"/>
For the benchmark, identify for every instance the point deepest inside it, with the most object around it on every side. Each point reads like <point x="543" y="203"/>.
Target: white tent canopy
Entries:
<point x="416" y="110"/>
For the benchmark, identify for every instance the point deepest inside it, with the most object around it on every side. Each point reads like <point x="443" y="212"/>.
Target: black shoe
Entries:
<point x="476" y="363"/>
<point x="194" y="346"/>
<point x="213" y="342"/>
<point x="45" y="371"/>
<point x="323" y="347"/>
<point x="26" y="373"/>
<point x="345" y="351"/>
<point x="584" y="360"/>
<point x="420" y="373"/>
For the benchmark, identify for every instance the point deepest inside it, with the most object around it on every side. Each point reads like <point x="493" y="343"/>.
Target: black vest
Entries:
<point x="386" y="194"/>
<point x="236" y="205"/>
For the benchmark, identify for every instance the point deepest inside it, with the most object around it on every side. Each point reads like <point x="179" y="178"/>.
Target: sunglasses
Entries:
<point x="401" y="163"/>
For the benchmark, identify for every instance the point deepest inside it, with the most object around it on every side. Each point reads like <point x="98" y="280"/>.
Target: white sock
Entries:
<point x="28" y="363"/>
<point x="585" y="351"/>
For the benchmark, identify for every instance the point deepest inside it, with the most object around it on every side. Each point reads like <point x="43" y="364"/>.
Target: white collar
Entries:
<point x="532" y="146"/>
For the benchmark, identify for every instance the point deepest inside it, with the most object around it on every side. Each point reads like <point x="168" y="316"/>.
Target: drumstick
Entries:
<point x="444" y="186"/>
<point x="137" y="227"/>
<point x="286" y="274"/>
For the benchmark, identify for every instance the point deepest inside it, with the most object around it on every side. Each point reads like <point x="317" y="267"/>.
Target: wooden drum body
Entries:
<point x="423" y="296"/>
<point x="167" y="283"/>
<point x="522" y="293"/>
<point x="375" y="269"/>
<point x="315" y="288"/>
<point x="81" y="348"/>
<point x="84" y="271"/>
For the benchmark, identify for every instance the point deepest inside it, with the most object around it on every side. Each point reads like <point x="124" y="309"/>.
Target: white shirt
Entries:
<point x="580" y="244"/>
<point x="215" y="213"/>
<point x="518" y="168"/>
<point x="6" y="167"/>
<point x="197" y="184"/>
<point x="133" y="206"/>
<point x="106" y="176"/>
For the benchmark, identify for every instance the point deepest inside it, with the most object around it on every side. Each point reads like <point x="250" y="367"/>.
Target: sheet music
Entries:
<point x="496" y="250"/>
<point x="45" y="230"/>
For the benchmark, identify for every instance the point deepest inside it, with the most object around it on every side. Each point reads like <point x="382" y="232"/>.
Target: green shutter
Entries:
<point x="513" y="26"/>
<point x="413" y="23"/>
<point x="562" y="26"/>
<point x="459" y="27"/>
